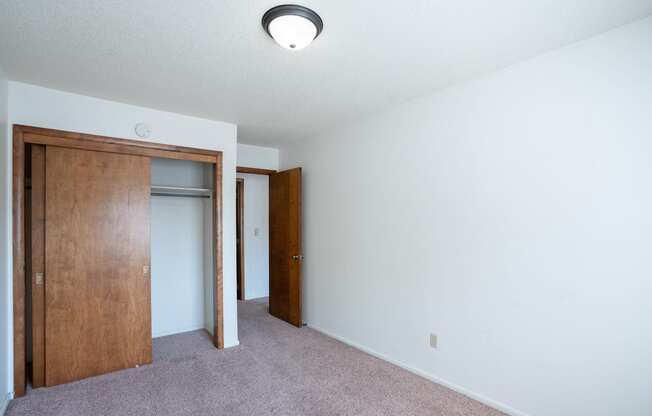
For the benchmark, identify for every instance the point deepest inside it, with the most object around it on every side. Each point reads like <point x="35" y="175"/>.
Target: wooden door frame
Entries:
<point x="239" y="190"/>
<point x="254" y="171"/>
<point x="23" y="135"/>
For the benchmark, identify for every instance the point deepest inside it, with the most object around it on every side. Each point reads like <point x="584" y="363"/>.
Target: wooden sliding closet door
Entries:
<point x="37" y="263"/>
<point x="97" y="282"/>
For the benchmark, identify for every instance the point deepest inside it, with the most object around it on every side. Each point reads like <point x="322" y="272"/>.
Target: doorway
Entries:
<point x="252" y="236"/>
<point x="268" y="216"/>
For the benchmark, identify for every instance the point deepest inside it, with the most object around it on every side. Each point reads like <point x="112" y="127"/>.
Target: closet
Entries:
<point x="120" y="242"/>
<point x="181" y="247"/>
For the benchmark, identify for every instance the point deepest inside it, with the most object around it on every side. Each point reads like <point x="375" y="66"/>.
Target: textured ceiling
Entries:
<point x="212" y="59"/>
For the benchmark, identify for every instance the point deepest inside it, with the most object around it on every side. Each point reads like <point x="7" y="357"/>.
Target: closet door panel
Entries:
<point x="37" y="272"/>
<point x="97" y="284"/>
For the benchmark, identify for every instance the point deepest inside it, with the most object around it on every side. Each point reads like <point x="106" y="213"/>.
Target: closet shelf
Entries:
<point x="160" y="190"/>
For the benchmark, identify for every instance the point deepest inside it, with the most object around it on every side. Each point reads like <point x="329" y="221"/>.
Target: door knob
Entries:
<point x="297" y="257"/>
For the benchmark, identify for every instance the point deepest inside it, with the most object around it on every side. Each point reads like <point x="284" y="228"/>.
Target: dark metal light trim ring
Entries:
<point x="292" y="9"/>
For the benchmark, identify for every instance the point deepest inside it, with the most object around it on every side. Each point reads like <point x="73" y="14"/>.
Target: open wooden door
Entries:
<point x="97" y="262"/>
<point x="285" y="255"/>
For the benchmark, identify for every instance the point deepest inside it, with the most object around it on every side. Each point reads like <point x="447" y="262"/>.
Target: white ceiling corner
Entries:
<point x="212" y="59"/>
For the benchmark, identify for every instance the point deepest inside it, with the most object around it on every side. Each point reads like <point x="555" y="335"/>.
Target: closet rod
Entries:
<point x="164" y="188"/>
<point x="161" y="190"/>
<point x="180" y="195"/>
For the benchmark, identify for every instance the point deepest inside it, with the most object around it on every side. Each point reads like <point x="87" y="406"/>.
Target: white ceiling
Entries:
<point x="211" y="58"/>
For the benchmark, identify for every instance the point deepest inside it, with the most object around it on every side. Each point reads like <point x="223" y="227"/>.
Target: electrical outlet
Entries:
<point x="433" y="341"/>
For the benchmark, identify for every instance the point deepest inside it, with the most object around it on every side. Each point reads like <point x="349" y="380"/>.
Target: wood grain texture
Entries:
<point x="239" y="241"/>
<point x="92" y="138"/>
<point x="218" y="327"/>
<point x="98" y="309"/>
<point x="284" y="243"/>
<point x="37" y="243"/>
<point x="255" y="171"/>
<point x="28" y="262"/>
<point x="120" y="148"/>
<point x="18" y="251"/>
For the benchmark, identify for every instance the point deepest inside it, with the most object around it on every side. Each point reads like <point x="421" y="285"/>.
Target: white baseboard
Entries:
<point x="4" y="402"/>
<point x="438" y="380"/>
<point x="256" y="297"/>
<point x="231" y="344"/>
<point x="177" y="331"/>
<point x="227" y="343"/>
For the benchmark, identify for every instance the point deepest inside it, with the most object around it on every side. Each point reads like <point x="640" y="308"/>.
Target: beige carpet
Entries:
<point x="277" y="370"/>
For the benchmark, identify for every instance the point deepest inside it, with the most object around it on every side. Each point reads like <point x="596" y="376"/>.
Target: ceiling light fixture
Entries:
<point x="292" y="26"/>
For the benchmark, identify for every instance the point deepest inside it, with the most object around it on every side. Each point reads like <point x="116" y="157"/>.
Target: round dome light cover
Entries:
<point x="292" y="26"/>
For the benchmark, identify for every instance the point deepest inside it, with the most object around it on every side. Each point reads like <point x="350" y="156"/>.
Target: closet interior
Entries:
<point x="181" y="246"/>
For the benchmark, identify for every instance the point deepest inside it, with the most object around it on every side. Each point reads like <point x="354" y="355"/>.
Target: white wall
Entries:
<point x="257" y="157"/>
<point x="256" y="217"/>
<point x="179" y="283"/>
<point x="511" y="216"/>
<point x="42" y="107"/>
<point x="6" y="381"/>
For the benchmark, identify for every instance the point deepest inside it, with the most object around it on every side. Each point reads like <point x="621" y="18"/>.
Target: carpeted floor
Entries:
<point x="277" y="370"/>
